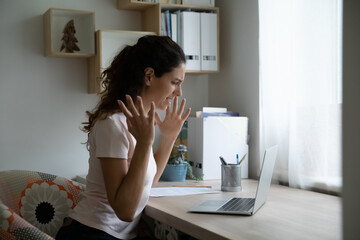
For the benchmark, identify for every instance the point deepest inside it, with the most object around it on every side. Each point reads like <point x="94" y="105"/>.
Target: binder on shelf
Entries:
<point x="208" y="57"/>
<point x="190" y="39"/>
<point x="167" y="23"/>
<point x="163" y="25"/>
<point x="178" y="27"/>
<point x="209" y="138"/>
<point x="174" y="27"/>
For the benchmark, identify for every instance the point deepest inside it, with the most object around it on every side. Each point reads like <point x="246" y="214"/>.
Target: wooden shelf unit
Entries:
<point x="90" y="43"/>
<point x="151" y="19"/>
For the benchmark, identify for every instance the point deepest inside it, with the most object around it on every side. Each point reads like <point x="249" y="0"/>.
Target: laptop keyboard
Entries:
<point x="238" y="204"/>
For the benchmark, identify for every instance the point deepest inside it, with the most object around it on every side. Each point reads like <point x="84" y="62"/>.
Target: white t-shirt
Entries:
<point x="109" y="138"/>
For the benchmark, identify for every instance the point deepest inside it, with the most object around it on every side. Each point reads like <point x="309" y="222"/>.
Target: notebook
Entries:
<point x="244" y="206"/>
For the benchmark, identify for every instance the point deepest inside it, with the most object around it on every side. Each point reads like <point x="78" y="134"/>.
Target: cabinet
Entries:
<point x="151" y="19"/>
<point x="108" y="44"/>
<point x="55" y="20"/>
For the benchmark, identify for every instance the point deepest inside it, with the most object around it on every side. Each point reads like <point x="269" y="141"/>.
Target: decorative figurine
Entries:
<point x="69" y="40"/>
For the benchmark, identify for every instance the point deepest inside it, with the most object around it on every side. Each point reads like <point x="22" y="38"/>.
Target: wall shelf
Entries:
<point x="55" y="20"/>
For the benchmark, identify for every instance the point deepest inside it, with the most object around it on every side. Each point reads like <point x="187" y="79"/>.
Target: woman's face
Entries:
<point x="164" y="89"/>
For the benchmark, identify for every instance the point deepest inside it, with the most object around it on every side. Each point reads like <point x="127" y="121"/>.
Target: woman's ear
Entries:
<point x="149" y="75"/>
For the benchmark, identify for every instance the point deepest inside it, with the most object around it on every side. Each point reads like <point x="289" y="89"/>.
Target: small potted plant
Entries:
<point x="177" y="167"/>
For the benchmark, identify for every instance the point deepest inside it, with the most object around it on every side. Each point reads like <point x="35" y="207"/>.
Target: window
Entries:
<point x="300" y="90"/>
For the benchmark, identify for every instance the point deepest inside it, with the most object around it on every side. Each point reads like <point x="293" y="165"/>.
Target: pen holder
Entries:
<point x="231" y="178"/>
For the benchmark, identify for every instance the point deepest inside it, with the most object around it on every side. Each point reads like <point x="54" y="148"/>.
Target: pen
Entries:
<point x="237" y="159"/>
<point x="242" y="158"/>
<point x="222" y="160"/>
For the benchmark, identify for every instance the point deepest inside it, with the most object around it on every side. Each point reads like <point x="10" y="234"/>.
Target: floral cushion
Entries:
<point x="35" y="202"/>
<point x="15" y="227"/>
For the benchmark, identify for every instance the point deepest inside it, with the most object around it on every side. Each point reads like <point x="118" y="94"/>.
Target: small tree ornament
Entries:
<point x="69" y="40"/>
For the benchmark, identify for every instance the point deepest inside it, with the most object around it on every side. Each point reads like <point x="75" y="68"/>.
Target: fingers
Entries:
<point x="124" y="109"/>
<point x="182" y="106"/>
<point x="152" y="112"/>
<point x="177" y="113"/>
<point x="157" y="118"/>
<point x="132" y="109"/>
<point x="131" y="106"/>
<point x="140" y="106"/>
<point x="175" y="104"/>
<point x="186" y="115"/>
<point x="140" y="124"/>
<point x="128" y="123"/>
<point x="181" y="109"/>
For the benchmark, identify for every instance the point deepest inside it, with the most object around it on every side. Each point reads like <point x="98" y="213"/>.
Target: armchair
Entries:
<point x="34" y="204"/>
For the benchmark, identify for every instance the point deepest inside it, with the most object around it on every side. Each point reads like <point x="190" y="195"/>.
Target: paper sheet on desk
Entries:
<point x="179" y="191"/>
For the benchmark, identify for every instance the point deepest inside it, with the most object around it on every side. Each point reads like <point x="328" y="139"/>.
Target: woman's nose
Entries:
<point x="178" y="91"/>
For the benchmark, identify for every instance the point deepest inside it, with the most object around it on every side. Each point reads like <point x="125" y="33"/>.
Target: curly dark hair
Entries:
<point x="125" y="75"/>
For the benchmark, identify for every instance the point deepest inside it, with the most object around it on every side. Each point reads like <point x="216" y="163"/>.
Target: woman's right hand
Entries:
<point x="140" y="124"/>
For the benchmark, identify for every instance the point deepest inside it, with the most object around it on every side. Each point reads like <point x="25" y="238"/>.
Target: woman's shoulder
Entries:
<point x="115" y="119"/>
<point x="119" y="116"/>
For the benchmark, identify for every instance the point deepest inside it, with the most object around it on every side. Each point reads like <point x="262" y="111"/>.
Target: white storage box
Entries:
<point x="211" y="137"/>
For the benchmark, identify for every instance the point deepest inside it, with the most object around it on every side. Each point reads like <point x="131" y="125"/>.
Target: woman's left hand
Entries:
<point x="173" y="121"/>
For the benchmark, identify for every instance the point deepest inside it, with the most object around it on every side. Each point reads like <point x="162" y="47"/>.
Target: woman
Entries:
<point x="122" y="166"/>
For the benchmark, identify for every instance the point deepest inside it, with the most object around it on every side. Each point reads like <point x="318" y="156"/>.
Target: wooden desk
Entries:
<point x="287" y="214"/>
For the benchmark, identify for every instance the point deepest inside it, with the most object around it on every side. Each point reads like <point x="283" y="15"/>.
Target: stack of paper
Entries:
<point x="179" y="191"/>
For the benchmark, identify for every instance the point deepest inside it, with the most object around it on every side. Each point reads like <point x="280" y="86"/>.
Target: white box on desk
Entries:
<point x="211" y="137"/>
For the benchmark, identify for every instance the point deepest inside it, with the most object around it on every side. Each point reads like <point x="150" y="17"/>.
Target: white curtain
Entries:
<point x="300" y="90"/>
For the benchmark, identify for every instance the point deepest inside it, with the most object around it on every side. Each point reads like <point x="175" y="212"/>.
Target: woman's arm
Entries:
<point x="169" y="129"/>
<point x="124" y="181"/>
<point x="162" y="156"/>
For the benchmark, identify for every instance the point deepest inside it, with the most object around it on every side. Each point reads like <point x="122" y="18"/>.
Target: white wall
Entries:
<point x="351" y="120"/>
<point x="43" y="100"/>
<point x="237" y="84"/>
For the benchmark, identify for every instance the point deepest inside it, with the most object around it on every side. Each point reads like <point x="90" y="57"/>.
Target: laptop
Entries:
<point x="244" y="206"/>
